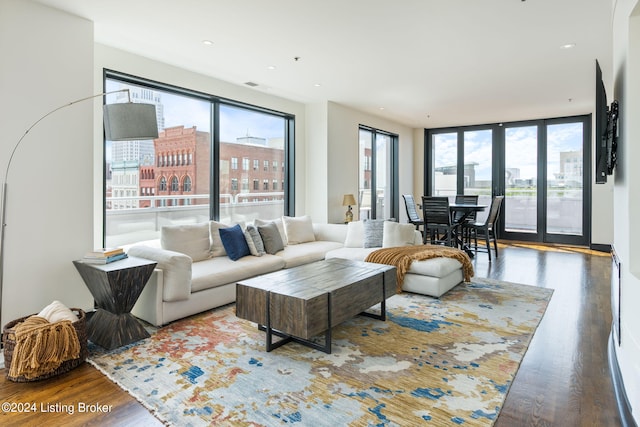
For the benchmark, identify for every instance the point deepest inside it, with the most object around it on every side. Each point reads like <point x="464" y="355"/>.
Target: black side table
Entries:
<point x="115" y="287"/>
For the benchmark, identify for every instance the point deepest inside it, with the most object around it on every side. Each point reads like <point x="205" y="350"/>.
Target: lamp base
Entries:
<point x="348" y="217"/>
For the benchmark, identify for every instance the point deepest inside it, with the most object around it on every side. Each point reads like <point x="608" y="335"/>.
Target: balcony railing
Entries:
<point x="126" y="224"/>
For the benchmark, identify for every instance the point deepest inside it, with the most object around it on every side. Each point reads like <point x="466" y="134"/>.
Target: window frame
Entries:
<point x="216" y="102"/>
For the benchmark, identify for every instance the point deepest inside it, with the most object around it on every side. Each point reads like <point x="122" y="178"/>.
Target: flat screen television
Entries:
<point x="606" y="131"/>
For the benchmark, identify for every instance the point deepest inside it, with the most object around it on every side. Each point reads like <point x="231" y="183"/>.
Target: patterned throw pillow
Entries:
<point x="373" y="233"/>
<point x="256" y="247"/>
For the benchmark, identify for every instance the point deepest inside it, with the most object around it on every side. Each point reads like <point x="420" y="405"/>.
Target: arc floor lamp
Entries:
<point x="122" y="122"/>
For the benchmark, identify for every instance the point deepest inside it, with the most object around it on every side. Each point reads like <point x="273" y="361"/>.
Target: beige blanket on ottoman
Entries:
<point x="402" y="257"/>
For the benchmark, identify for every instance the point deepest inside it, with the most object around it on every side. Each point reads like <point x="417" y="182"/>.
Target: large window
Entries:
<point x="194" y="171"/>
<point x="378" y="178"/>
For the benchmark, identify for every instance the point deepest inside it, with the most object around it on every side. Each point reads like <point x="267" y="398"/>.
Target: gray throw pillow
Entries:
<point x="373" y="233"/>
<point x="256" y="247"/>
<point x="271" y="238"/>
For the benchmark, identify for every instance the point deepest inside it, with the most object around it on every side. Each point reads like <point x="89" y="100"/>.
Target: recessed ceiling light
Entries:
<point x="207" y="42"/>
<point x="317" y="85"/>
<point x="271" y="67"/>
<point x="568" y="46"/>
<point x="381" y="108"/>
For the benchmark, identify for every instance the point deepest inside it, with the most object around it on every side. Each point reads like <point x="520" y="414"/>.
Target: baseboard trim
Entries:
<point x="624" y="408"/>
<point x="600" y="247"/>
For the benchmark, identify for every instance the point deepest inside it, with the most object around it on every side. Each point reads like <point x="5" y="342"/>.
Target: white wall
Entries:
<point x="47" y="61"/>
<point x="315" y="165"/>
<point x="626" y="46"/>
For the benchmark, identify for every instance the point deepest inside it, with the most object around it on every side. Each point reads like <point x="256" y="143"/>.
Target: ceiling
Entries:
<point x="422" y="63"/>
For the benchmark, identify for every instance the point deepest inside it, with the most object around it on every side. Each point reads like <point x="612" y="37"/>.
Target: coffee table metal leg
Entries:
<point x="286" y="338"/>
<point x="383" y="308"/>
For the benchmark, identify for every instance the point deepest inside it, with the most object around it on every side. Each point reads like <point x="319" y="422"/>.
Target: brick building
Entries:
<point x="251" y="170"/>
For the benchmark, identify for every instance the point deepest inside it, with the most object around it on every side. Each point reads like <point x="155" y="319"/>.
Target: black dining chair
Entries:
<point x="439" y="227"/>
<point x="412" y="214"/>
<point x="487" y="229"/>
<point x="469" y="217"/>
<point x="466" y="199"/>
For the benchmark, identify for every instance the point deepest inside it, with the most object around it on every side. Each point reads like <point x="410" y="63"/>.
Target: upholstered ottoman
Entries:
<point x="431" y="277"/>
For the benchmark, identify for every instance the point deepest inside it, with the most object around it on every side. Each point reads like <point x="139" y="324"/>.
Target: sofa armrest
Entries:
<point x="149" y="306"/>
<point x="330" y="232"/>
<point x="176" y="270"/>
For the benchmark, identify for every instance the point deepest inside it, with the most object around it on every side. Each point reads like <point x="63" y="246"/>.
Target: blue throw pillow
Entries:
<point x="234" y="242"/>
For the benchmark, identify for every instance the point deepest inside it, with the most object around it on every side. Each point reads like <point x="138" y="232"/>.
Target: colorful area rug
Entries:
<point x="444" y="361"/>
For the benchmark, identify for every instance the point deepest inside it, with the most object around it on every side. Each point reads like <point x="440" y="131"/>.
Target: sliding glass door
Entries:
<point x="538" y="166"/>
<point x="521" y="181"/>
<point x="478" y="167"/>
<point x="462" y="163"/>
<point x="565" y="178"/>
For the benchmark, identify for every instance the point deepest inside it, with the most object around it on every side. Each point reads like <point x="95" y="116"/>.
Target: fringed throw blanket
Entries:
<point x="41" y="347"/>
<point x="402" y="257"/>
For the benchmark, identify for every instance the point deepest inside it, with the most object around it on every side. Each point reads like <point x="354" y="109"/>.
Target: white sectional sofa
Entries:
<point x="195" y="273"/>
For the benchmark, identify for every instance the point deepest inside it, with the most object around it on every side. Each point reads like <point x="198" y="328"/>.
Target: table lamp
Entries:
<point x="122" y="122"/>
<point x="348" y="200"/>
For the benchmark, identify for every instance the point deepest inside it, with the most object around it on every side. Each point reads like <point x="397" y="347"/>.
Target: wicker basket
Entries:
<point x="8" y="340"/>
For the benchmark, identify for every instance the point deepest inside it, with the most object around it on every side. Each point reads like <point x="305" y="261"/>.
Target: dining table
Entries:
<point x="465" y="209"/>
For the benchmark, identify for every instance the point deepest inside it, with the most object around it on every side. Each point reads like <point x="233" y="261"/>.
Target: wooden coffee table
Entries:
<point x="300" y="303"/>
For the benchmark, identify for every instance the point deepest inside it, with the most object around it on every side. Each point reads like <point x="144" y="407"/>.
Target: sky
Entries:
<point x="521" y="148"/>
<point x="234" y="122"/>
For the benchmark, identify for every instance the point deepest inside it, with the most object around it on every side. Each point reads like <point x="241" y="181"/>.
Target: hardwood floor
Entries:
<point x="563" y="380"/>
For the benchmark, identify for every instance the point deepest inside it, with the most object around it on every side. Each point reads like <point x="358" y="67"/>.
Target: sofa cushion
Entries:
<point x="189" y="239"/>
<point x="295" y="255"/>
<point x="254" y="241"/>
<point x="355" y="235"/>
<point x="234" y="242"/>
<point x="373" y="231"/>
<point x="396" y="234"/>
<point x="271" y="238"/>
<point x="298" y="229"/>
<point x="220" y="271"/>
<point x="355" y="254"/>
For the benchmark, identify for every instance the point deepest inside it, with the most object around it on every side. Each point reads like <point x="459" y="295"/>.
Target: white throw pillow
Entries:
<point x="298" y="229"/>
<point x="190" y="239"/>
<point x="395" y="234"/>
<point x="355" y="235"/>
<point x="216" y="242"/>
<point x="57" y="312"/>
